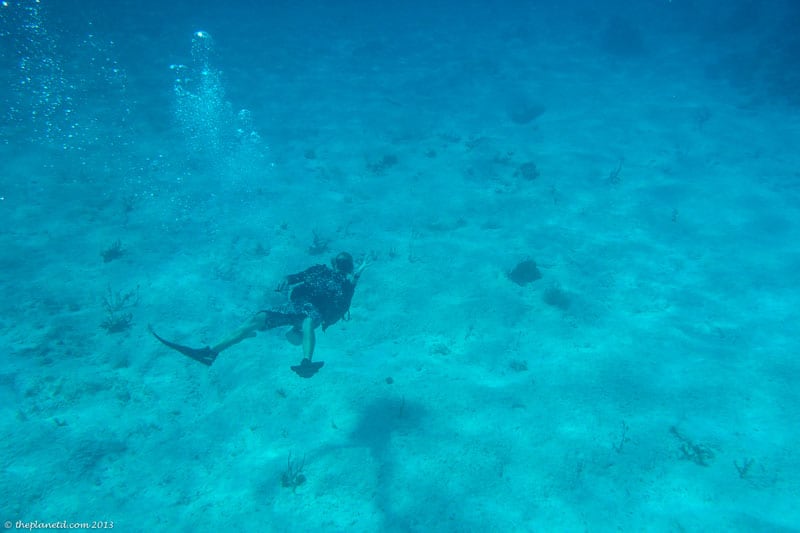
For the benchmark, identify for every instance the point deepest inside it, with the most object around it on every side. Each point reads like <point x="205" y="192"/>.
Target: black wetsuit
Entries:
<point x="320" y="293"/>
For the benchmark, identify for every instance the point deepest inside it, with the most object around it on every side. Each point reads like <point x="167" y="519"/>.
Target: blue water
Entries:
<point x="169" y="164"/>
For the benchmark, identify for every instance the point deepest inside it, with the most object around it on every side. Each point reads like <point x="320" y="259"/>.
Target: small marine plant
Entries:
<point x="117" y="306"/>
<point x="623" y="438"/>
<point x="319" y="245"/>
<point x="699" y="454"/>
<point x="293" y="477"/>
<point x="744" y="468"/>
<point x="114" y="251"/>
<point x="527" y="171"/>
<point x="524" y="273"/>
<point x="556" y="297"/>
<point x="380" y="166"/>
<point x="518" y="365"/>
<point x="614" y="176"/>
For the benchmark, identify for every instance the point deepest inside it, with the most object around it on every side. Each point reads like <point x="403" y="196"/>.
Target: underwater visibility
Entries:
<point x="400" y="266"/>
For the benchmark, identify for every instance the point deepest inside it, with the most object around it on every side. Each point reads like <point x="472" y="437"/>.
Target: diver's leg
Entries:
<point x="204" y="355"/>
<point x="257" y="322"/>
<point x="306" y="368"/>
<point x="309" y="338"/>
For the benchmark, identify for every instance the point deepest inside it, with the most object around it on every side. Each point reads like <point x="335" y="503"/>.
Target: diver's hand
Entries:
<point x="365" y="262"/>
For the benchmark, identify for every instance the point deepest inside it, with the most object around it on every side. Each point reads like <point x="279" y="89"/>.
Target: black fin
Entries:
<point x="307" y="368"/>
<point x="204" y="355"/>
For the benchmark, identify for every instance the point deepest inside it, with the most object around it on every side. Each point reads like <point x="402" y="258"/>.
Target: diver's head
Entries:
<point x="343" y="263"/>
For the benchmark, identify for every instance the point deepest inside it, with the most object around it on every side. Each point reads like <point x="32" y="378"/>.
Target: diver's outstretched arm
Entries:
<point x="365" y="262"/>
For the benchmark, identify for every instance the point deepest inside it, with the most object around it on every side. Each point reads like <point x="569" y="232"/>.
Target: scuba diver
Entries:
<point x="320" y="296"/>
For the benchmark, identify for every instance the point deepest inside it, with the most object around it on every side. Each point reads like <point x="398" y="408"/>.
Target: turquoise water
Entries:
<point x="168" y="165"/>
